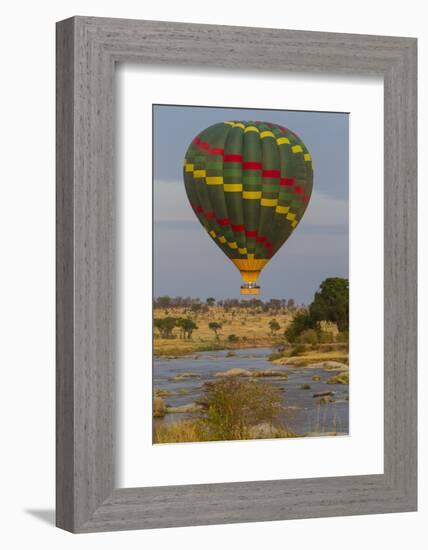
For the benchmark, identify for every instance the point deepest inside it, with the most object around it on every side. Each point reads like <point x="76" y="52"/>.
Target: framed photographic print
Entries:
<point x="236" y="267"/>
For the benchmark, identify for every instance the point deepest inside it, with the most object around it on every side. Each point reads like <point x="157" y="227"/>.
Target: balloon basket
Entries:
<point x="250" y="289"/>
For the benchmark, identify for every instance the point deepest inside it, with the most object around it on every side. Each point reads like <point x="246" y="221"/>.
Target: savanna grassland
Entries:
<point x="239" y="328"/>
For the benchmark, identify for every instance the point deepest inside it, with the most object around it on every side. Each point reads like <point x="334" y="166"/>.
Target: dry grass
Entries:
<point x="184" y="431"/>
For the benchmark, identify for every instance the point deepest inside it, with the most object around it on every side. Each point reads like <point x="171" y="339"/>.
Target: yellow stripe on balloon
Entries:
<point x="251" y="256"/>
<point x="232" y="244"/>
<point x="307" y="157"/>
<point x="297" y="149"/>
<point x="269" y="202"/>
<point x="252" y="195"/>
<point x="242" y="250"/>
<point x="232" y="187"/>
<point x="282" y="140"/>
<point x="266" y="134"/>
<point x="213" y="234"/>
<point x="239" y="125"/>
<point x="199" y="173"/>
<point x="282" y="209"/>
<point x="294" y="223"/>
<point x="290" y="216"/>
<point x="251" y="129"/>
<point x="222" y="239"/>
<point x="214" y="180"/>
<point x="189" y="167"/>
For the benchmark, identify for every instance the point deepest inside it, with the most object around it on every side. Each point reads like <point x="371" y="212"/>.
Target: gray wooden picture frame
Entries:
<point x="87" y="50"/>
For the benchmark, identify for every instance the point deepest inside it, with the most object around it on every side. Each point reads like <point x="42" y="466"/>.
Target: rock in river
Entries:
<point x="234" y="372"/>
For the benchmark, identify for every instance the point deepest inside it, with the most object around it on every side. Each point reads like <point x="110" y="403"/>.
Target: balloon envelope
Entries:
<point x="249" y="184"/>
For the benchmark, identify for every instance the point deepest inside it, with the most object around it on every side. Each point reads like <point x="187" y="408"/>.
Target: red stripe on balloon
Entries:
<point x="238" y="228"/>
<point x="260" y="239"/>
<point x="252" y="166"/>
<point x="298" y="190"/>
<point x="216" y="151"/>
<point x="209" y="215"/>
<point x="251" y="233"/>
<point x="288" y="182"/>
<point x="223" y="221"/>
<point x="232" y="158"/>
<point x="271" y="173"/>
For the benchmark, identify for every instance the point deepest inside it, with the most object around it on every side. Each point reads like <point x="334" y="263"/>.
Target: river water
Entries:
<point x="303" y="413"/>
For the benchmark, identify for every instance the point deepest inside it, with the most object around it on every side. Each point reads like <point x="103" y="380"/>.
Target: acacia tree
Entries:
<point x="187" y="326"/>
<point x="274" y="326"/>
<point x="215" y="327"/>
<point x="165" y="325"/>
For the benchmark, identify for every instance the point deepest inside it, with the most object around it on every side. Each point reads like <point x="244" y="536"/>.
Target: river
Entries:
<point x="302" y="414"/>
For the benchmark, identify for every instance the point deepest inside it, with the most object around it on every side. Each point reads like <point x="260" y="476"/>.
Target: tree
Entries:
<point x="302" y="321"/>
<point x="165" y="325"/>
<point x="163" y="302"/>
<point x="274" y="326"/>
<point x="210" y="301"/>
<point x="331" y="303"/>
<point x="196" y="308"/>
<point x="187" y="327"/>
<point x="215" y="327"/>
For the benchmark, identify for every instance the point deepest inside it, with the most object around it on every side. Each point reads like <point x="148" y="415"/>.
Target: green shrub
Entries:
<point x="301" y="321"/>
<point x="232" y="406"/>
<point x="343" y="337"/>
<point x="299" y="349"/>
<point x="325" y="337"/>
<point x="275" y="355"/>
<point x="308" y="336"/>
<point x="233" y="338"/>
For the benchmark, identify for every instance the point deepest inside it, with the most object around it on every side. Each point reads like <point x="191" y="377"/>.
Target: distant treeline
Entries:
<point x="196" y="305"/>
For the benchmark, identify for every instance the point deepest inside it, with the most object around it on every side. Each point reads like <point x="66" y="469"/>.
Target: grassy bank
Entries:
<point x="313" y="355"/>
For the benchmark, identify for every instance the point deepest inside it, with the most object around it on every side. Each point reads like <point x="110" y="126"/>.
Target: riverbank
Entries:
<point x="172" y="348"/>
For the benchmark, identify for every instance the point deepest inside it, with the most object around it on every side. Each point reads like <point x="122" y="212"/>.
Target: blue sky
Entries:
<point x="188" y="263"/>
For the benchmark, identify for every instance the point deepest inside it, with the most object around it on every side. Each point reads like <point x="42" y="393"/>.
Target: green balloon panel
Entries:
<point x="249" y="183"/>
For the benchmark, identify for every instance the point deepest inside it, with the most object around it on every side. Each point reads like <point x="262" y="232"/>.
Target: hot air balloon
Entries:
<point x="249" y="184"/>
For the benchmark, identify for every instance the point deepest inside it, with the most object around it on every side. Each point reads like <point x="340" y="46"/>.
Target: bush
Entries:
<point x="232" y="406"/>
<point x="325" y="337"/>
<point x="343" y="337"/>
<point x="309" y="336"/>
<point x="232" y="338"/>
<point x="297" y="350"/>
<point x="301" y="322"/>
<point x="159" y="407"/>
<point x="275" y="355"/>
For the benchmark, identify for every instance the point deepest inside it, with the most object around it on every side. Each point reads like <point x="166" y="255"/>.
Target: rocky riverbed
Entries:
<point x="315" y="396"/>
